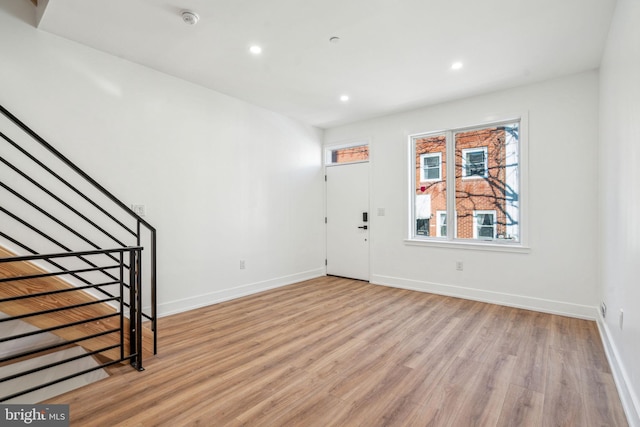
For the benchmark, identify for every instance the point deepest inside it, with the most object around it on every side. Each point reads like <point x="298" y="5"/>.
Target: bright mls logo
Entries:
<point x="34" y="415"/>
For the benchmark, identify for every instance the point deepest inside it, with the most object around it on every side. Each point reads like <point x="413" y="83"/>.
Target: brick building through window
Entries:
<point x="486" y="183"/>
<point x="357" y="153"/>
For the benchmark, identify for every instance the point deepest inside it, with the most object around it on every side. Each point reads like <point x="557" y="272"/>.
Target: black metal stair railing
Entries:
<point x="117" y="309"/>
<point x="49" y="205"/>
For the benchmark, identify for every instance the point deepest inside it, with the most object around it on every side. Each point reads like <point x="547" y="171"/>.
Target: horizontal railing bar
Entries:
<point x="55" y="328"/>
<point x="58" y="291"/>
<point x="65" y="182"/>
<point x="55" y="310"/>
<point x="65" y="204"/>
<point x="43" y="257"/>
<point x="75" y="168"/>
<point x="52" y="240"/>
<point x="69" y="254"/>
<point x="62" y="379"/>
<point x="16" y="242"/>
<point x="53" y="346"/>
<point x="34" y="229"/>
<point x="57" y="273"/>
<point x="57" y="363"/>
<point x="55" y="264"/>
<point x="56" y="220"/>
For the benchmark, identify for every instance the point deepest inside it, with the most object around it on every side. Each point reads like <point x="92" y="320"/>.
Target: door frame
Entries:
<point x="327" y="149"/>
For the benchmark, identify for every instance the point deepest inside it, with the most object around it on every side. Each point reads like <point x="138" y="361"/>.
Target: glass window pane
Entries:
<point x="442" y="224"/>
<point x="485" y="232"/>
<point x="474" y="162"/>
<point x="486" y="204"/>
<point x="487" y="179"/>
<point x="431" y="170"/>
<point x="476" y="158"/>
<point x="430" y="153"/>
<point x="357" y="153"/>
<point x="422" y="227"/>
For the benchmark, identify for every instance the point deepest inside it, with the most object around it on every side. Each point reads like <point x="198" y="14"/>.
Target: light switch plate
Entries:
<point x="139" y="210"/>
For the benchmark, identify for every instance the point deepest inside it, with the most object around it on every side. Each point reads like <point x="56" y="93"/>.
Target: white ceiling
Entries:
<point x="393" y="54"/>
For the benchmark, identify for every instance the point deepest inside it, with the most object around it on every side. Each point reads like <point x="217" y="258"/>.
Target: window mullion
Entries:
<point x="413" y="230"/>
<point x="452" y="223"/>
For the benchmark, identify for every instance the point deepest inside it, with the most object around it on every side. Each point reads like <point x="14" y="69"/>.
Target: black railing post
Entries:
<point x="107" y="350"/>
<point x="121" y="305"/>
<point x="132" y="304"/>
<point x="139" y="308"/>
<point x="154" y="302"/>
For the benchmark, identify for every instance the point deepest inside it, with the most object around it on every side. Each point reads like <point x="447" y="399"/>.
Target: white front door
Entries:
<point x="347" y="220"/>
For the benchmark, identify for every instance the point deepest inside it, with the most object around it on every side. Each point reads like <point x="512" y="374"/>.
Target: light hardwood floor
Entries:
<point x="339" y="352"/>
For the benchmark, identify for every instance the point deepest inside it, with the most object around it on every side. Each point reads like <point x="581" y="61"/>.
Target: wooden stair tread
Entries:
<point x="32" y="286"/>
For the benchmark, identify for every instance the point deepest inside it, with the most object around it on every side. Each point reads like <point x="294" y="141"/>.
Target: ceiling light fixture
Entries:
<point x="344" y="98"/>
<point x="456" y="65"/>
<point x="189" y="17"/>
<point x="255" y="49"/>
<point x="334" y="39"/>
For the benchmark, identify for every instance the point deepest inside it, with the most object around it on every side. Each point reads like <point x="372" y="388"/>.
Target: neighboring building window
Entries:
<point x="485" y="178"/>
<point x="441" y="223"/>
<point x="484" y="225"/>
<point x="423" y="214"/>
<point x="431" y="167"/>
<point x="351" y="154"/>
<point x="474" y="162"/>
<point x="422" y="227"/>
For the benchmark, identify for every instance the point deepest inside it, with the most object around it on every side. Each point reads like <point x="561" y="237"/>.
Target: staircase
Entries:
<point x="77" y="267"/>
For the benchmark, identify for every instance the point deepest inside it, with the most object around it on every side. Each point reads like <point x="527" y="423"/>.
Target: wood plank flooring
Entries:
<point x="339" y="352"/>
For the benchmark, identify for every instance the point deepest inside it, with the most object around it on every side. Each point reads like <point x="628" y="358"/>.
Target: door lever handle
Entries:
<point x="364" y="227"/>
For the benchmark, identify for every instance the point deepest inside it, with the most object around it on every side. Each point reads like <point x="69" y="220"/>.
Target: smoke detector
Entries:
<point x="189" y="17"/>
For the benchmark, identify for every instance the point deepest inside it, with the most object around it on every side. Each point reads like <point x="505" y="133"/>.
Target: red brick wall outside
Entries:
<point x="481" y="193"/>
<point x="350" y="154"/>
<point x="437" y="189"/>
<point x="473" y="193"/>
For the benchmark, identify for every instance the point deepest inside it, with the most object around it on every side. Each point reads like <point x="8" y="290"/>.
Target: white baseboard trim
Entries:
<point x="629" y="399"/>
<point x="500" y="298"/>
<point x="182" y="305"/>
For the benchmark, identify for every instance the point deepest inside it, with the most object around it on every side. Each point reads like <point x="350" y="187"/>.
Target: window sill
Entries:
<point x="472" y="177"/>
<point x="457" y="244"/>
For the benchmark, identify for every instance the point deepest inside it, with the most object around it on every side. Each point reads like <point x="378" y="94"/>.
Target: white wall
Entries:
<point x="620" y="200"/>
<point x="559" y="272"/>
<point x="222" y="180"/>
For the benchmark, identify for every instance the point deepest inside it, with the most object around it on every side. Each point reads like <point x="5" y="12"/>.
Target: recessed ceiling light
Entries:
<point x="344" y="98"/>
<point x="255" y="49"/>
<point x="334" y="39"/>
<point x="189" y="17"/>
<point x="456" y="65"/>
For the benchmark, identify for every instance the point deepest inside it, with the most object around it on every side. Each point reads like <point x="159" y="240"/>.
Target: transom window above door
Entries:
<point x="347" y="154"/>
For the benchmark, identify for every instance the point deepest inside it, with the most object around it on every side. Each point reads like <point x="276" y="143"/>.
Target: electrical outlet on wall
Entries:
<point x="603" y="309"/>
<point x="459" y="265"/>
<point x="241" y="264"/>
